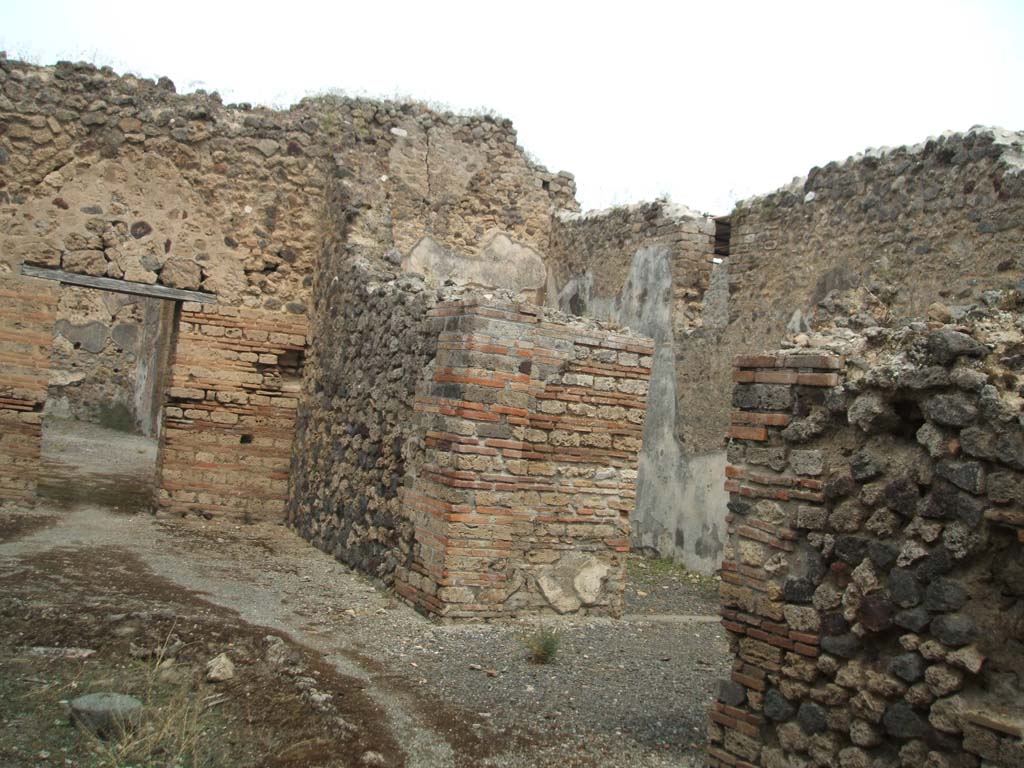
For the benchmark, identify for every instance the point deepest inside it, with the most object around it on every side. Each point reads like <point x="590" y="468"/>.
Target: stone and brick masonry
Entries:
<point x="122" y="178"/>
<point x="229" y="417"/>
<point x="475" y="451"/>
<point x="26" y="323"/>
<point x="327" y="234"/>
<point x="873" y="584"/>
<point x="532" y="429"/>
<point x="940" y="221"/>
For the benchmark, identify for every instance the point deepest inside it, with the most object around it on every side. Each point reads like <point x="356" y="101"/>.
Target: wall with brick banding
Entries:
<point x="650" y="267"/>
<point x="873" y="583"/>
<point x="121" y="177"/>
<point x="406" y="381"/>
<point x="532" y="425"/>
<point x="229" y="417"/>
<point x="28" y="309"/>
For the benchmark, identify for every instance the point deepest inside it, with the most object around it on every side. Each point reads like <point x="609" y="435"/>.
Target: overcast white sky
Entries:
<point x="707" y="102"/>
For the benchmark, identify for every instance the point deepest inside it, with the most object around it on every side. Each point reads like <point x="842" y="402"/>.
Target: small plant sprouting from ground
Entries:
<point x="542" y="645"/>
<point x="171" y="735"/>
<point x="170" y="732"/>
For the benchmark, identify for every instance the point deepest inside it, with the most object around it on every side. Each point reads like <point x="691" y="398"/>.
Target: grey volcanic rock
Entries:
<point x="945" y="345"/>
<point x="812" y="718"/>
<point x="776" y="707"/>
<point x="900" y="720"/>
<point x="952" y="410"/>
<point x="945" y="595"/>
<point x="903" y="588"/>
<point x="954" y="629"/>
<point x="844" y="646"/>
<point x="106" y="714"/>
<point x="872" y="413"/>
<point x="914" y="619"/>
<point x="908" y="667"/>
<point x="731" y="693"/>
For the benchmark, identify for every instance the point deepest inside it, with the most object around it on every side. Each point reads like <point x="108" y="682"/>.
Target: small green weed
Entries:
<point x="542" y="645"/>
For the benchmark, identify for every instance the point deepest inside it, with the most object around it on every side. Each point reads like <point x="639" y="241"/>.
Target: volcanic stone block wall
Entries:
<point x="230" y="413"/>
<point x="522" y="500"/>
<point x="940" y="221"/>
<point x="873" y="585"/>
<point x="27" y="312"/>
<point x="369" y="348"/>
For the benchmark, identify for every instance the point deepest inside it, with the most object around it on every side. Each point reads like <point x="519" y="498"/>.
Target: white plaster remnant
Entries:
<point x="501" y="263"/>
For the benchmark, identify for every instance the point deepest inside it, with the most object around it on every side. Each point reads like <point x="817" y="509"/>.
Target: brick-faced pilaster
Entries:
<point x="532" y="431"/>
<point x="771" y="485"/>
<point x="28" y="308"/>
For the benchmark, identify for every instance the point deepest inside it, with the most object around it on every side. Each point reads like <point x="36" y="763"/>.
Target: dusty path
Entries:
<point x="629" y="692"/>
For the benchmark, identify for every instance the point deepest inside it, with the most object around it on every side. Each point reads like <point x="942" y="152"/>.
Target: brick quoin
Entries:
<point x="513" y="458"/>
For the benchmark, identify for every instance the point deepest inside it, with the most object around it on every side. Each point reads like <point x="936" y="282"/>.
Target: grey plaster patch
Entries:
<point x="679" y="497"/>
<point x="91" y="337"/>
<point x="125" y="335"/>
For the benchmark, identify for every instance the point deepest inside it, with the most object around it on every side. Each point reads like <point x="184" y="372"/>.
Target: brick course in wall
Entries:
<point x="28" y="309"/>
<point x="768" y="389"/>
<point x="532" y="429"/>
<point x="651" y="267"/>
<point x="229" y="418"/>
<point x="938" y="222"/>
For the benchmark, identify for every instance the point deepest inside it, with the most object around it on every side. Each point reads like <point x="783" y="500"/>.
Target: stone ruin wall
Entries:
<point x="26" y="317"/>
<point x="592" y="257"/>
<point x="873" y="584"/>
<point x="379" y="484"/>
<point x="369" y="346"/>
<point x="651" y="268"/>
<point x="939" y="222"/>
<point x="121" y="177"/>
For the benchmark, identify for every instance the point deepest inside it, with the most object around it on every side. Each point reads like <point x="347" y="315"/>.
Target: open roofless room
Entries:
<point x="340" y="434"/>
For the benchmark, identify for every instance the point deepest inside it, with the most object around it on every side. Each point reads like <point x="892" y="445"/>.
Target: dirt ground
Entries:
<point x="329" y="669"/>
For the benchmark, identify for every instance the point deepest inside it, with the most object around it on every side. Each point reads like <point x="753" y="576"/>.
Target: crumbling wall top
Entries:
<point x="949" y="148"/>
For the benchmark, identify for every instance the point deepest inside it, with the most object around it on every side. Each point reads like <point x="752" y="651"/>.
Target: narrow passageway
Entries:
<point x="84" y="462"/>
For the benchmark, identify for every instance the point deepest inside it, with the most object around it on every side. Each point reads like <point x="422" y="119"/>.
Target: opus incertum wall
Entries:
<point x="873" y="586"/>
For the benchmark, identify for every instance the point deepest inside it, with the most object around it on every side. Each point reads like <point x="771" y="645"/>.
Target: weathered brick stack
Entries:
<point x="27" y="312"/>
<point x="765" y="480"/>
<point x="873" y="585"/>
<point x="532" y="431"/>
<point x="230" y="414"/>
